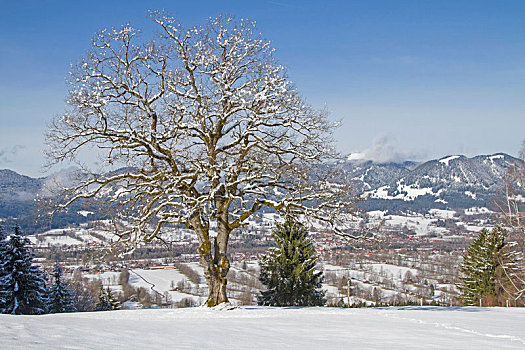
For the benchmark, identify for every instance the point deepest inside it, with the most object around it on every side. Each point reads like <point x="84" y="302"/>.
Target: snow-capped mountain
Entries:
<point x="370" y="175"/>
<point x="17" y="192"/>
<point x="16" y="185"/>
<point x="450" y="182"/>
<point x="18" y="204"/>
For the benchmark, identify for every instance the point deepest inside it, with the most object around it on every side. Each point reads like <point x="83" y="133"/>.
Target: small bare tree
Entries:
<point x="513" y="206"/>
<point x="208" y="129"/>
<point x="512" y="210"/>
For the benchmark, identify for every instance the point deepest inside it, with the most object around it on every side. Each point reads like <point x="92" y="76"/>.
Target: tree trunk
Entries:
<point x="215" y="263"/>
<point x="217" y="285"/>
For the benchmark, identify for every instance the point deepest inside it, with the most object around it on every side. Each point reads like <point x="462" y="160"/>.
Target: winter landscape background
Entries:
<point x="217" y="136"/>
<point x="428" y="213"/>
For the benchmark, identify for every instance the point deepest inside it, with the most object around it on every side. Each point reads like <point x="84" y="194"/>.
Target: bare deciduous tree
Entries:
<point x="208" y="129"/>
<point x="513" y="207"/>
<point x="512" y="210"/>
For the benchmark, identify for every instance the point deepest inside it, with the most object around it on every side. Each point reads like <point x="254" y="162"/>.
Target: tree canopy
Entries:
<point x="208" y="129"/>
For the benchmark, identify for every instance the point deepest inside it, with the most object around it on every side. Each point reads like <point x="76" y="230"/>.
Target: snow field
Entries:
<point x="270" y="328"/>
<point x="389" y="279"/>
<point x="424" y="224"/>
<point x="161" y="281"/>
<point x="70" y="237"/>
<point x="155" y="281"/>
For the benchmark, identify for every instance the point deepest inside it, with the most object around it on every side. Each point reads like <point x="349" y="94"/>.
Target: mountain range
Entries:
<point x="453" y="182"/>
<point x="19" y="205"/>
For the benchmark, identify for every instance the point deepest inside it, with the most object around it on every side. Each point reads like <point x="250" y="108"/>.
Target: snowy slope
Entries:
<point x="161" y="281"/>
<point x="270" y="328"/>
<point x="455" y="182"/>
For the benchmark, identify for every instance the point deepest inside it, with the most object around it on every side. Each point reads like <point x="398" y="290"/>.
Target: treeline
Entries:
<point x="25" y="288"/>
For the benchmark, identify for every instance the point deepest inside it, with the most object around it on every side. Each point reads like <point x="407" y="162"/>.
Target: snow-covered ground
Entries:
<point x="163" y="281"/>
<point x="410" y="283"/>
<point x="270" y="328"/>
<point x="160" y="281"/>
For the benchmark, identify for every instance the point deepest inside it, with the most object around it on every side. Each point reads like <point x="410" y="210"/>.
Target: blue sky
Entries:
<point x="408" y="79"/>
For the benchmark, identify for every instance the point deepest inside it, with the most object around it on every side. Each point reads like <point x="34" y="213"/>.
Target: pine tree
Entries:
<point x="3" y="247"/>
<point x="103" y="302"/>
<point x="60" y="296"/>
<point x="488" y="268"/>
<point x="288" y="271"/>
<point x="3" y="256"/>
<point x="22" y="285"/>
<point x="106" y="300"/>
<point x="3" y="243"/>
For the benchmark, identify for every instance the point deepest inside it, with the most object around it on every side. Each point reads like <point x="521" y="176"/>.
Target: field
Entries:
<point x="270" y="328"/>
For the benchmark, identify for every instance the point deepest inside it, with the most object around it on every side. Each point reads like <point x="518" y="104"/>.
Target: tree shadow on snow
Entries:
<point x="278" y="307"/>
<point x="442" y="308"/>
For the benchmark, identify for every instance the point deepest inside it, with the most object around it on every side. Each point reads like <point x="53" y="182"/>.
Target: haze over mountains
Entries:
<point x="452" y="182"/>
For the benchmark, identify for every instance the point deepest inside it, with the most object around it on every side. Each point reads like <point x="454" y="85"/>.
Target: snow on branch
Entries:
<point x="206" y="125"/>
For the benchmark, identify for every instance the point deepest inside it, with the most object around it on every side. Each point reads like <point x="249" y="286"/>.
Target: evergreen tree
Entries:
<point x="106" y="300"/>
<point x="60" y="298"/>
<point x="288" y="271"/>
<point x="488" y="268"/>
<point x="3" y="242"/>
<point x="3" y="247"/>
<point x="3" y="255"/>
<point x="22" y="285"/>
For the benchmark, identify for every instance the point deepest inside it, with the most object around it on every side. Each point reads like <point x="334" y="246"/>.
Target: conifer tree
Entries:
<point x="60" y="296"/>
<point x="103" y="302"/>
<point x="22" y="285"/>
<point x="3" y="249"/>
<point x="288" y="271"/>
<point x="106" y="300"/>
<point x="3" y="242"/>
<point x="488" y="269"/>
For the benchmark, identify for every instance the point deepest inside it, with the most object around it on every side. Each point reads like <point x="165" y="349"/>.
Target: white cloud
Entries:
<point x="56" y="182"/>
<point x="384" y="150"/>
<point x="6" y="154"/>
